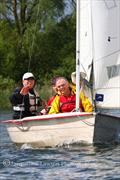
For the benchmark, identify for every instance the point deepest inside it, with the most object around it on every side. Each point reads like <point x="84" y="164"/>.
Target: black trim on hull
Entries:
<point x="107" y="129"/>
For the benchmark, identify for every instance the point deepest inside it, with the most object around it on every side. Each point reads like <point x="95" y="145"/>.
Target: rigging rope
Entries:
<point x="30" y="51"/>
<point x="33" y="36"/>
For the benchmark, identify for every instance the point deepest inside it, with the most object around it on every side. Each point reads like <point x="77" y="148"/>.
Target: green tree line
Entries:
<point x="36" y="36"/>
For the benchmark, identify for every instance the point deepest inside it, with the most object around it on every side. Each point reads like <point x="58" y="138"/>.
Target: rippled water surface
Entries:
<point x="73" y="162"/>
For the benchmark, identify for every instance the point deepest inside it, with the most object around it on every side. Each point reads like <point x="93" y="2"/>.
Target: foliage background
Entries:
<point x="36" y="36"/>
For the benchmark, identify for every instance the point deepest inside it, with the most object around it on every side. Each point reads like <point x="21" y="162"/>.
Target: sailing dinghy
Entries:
<point x="56" y="129"/>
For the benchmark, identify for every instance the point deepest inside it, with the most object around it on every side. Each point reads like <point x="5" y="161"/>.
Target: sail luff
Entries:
<point x="77" y="54"/>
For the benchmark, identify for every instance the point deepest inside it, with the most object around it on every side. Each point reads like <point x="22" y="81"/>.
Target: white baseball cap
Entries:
<point x="28" y="75"/>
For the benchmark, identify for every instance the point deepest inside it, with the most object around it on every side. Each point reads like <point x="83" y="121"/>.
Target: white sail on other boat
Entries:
<point x="106" y="38"/>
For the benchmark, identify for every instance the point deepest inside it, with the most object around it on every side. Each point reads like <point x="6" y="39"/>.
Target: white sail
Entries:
<point x="106" y="36"/>
<point x="84" y="45"/>
<point x="85" y="38"/>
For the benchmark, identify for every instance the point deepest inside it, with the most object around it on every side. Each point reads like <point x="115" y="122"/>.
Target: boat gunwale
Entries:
<point x="49" y="117"/>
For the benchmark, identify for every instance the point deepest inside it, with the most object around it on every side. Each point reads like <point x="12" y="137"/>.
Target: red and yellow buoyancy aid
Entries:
<point x="67" y="104"/>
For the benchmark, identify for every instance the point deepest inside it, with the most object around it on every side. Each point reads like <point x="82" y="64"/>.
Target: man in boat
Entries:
<point x="66" y="100"/>
<point x="25" y="100"/>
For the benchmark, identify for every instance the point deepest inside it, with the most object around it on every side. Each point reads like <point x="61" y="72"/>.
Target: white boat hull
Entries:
<point x="53" y="130"/>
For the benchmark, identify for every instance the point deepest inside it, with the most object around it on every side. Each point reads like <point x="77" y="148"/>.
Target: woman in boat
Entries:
<point x="55" y="92"/>
<point x="66" y="100"/>
<point x="26" y="100"/>
<point x="49" y="102"/>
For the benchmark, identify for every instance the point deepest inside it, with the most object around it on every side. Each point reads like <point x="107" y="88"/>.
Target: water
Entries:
<point x="65" y="163"/>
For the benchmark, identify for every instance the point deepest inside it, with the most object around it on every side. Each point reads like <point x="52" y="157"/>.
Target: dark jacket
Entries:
<point x="21" y="103"/>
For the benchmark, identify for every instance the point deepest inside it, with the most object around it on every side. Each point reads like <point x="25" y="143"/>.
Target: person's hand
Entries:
<point x="44" y="104"/>
<point x="24" y="90"/>
<point x="82" y="86"/>
<point x="26" y="87"/>
<point x="43" y="112"/>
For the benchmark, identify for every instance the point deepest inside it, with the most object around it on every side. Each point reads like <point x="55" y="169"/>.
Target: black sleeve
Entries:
<point x="16" y="97"/>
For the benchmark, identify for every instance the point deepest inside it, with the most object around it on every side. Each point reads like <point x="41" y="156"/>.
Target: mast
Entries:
<point x="77" y="54"/>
